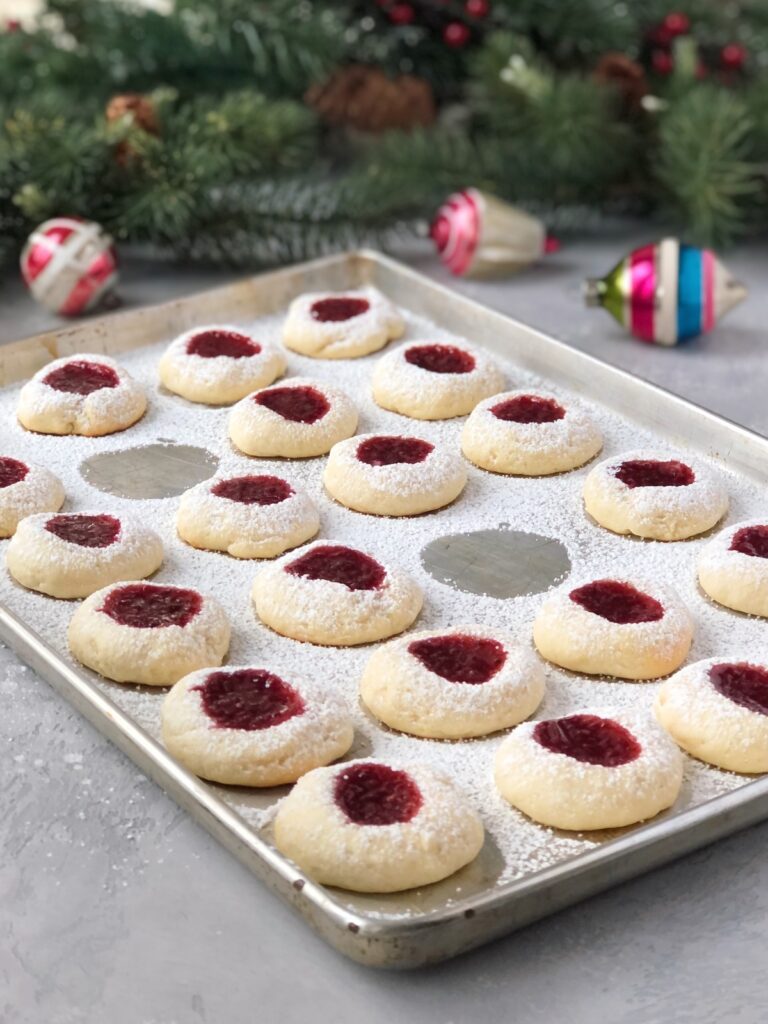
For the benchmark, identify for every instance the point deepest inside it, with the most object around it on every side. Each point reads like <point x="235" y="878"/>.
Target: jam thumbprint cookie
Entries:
<point x="387" y="475"/>
<point x="372" y="827"/>
<point x="650" y="495"/>
<point x="219" y="365"/>
<point x="252" y="727"/>
<point x="430" y="381"/>
<point x="628" y="628"/>
<point x="335" y="595"/>
<point x="73" y="555"/>
<point x="25" y="489"/>
<point x="341" y="325"/>
<point x="529" y="434"/>
<point x="297" y="419"/>
<point x="594" y="770"/>
<point x="148" y="633"/>
<point x="89" y="395"/>
<point x="733" y="568"/>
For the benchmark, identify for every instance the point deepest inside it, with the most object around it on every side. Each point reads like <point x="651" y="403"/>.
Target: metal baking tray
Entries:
<point x="448" y="918"/>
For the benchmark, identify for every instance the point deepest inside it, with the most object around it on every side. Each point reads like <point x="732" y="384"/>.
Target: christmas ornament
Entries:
<point x="666" y="292"/>
<point x="69" y="265"/>
<point x="366" y="98"/>
<point x="477" y="234"/>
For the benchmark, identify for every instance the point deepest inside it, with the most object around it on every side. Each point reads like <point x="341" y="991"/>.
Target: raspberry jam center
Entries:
<point x="389" y="451"/>
<point x="11" y="471"/>
<point x="460" y="658"/>
<point x="742" y="683"/>
<point x="249" y="699"/>
<point x="212" y="344"/>
<point x="374" y="794"/>
<point x="652" y="473"/>
<point x="86" y="531"/>
<point x="751" y="540"/>
<point x="301" y="404"/>
<point x="588" y="738"/>
<point x="151" y="606"/>
<point x="528" y="409"/>
<point x="79" y="377"/>
<point x="254" y="490"/>
<point x="617" y="602"/>
<point x="440" y="358"/>
<point x="338" y="308"/>
<point x="338" y="564"/>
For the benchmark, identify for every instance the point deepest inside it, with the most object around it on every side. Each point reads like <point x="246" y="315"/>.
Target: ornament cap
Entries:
<point x="594" y="289"/>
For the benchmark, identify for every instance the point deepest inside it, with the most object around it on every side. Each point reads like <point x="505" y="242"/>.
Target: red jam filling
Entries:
<point x="374" y="794"/>
<point x="742" y="683"/>
<point x="528" y="409"/>
<point x="652" y="473"/>
<point x="254" y="490"/>
<point x="338" y="308"/>
<point x="751" y="540"/>
<point x="588" y="738"/>
<point x="460" y="658"/>
<point x="11" y="471"/>
<point x="151" y="606"/>
<point x="301" y="404"/>
<point x="389" y="451"/>
<point x="617" y="602"/>
<point x="338" y="564"/>
<point x="248" y="698"/>
<point x="440" y="358"/>
<point x="211" y="344"/>
<point x="79" y="377"/>
<point x="87" y="531"/>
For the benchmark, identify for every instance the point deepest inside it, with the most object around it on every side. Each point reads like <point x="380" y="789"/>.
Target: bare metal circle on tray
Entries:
<point x="498" y="562"/>
<point x="162" y="470"/>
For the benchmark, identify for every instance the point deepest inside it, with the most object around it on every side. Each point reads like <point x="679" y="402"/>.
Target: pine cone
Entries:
<point x="141" y="111"/>
<point x="625" y="74"/>
<point x="366" y="98"/>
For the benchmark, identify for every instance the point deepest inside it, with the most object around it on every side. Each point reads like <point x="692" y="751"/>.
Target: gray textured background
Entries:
<point x="116" y="909"/>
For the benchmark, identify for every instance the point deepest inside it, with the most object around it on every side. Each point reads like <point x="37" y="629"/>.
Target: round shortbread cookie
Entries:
<point x="297" y="419"/>
<point x="247" y="516"/>
<point x="428" y="381"/>
<point x="218" y="365"/>
<point x="649" y="495"/>
<point x="597" y="769"/>
<point x="390" y="475"/>
<point x="83" y="394"/>
<point x="335" y="595"/>
<point x="252" y="727"/>
<point x="452" y="684"/>
<point x="25" y="489"/>
<point x="717" y="710"/>
<point x="370" y="827"/>
<point x="148" y="633"/>
<point x="733" y="567"/>
<point x="343" y="325"/>
<point x="623" y="627"/>
<point x="529" y="434"/>
<point x="73" y="555"/>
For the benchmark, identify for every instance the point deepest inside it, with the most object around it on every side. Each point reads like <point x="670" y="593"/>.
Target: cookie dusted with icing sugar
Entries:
<point x="73" y="555"/>
<point x="452" y="684"/>
<point x="341" y="325"/>
<point x="529" y="434"/>
<point x="628" y="628"/>
<point x="25" y="489"/>
<point x="218" y="365"/>
<point x="148" y="633"/>
<point x="372" y="827"/>
<point x="294" y="420"/>
<point x="733" y="568"/>
<point x="717" y="710"/>
<point x="430" y="381"/>
<point x="594" y="770"/>
<point x="335" y="595"/>
<point x="252" y="516"/>
<point x="252" y="727"/>
<point x="89" y="395"/>
<point x="391" y="475"/>
<point x="650" y="495"/>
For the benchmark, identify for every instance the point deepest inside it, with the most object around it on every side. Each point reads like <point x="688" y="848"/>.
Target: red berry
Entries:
<point x="733" y="56"/>
<point x="456" y="34"/>
<point x="401" y="14"/>
<point x="677" y="24"/>
<point x="662" y="62"/>
<point x="477" y="8"/>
